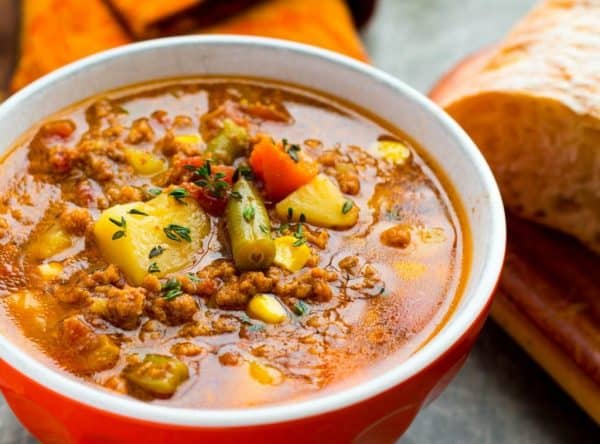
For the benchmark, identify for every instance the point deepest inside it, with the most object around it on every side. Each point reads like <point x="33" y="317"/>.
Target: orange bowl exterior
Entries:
<point x="54" y="418"/>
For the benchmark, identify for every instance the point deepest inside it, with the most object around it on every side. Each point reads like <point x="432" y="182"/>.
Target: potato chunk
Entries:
<point x="159" y="236"/>
<point x="322" y="204"/>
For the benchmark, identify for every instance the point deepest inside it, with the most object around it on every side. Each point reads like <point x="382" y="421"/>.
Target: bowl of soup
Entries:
<point x="232" y="238"/>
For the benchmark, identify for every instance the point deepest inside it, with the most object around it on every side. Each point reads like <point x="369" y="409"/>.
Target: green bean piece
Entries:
<point x="249" y="228"/>
<point x="158" y="375"/>
<point x="230" y="143"/>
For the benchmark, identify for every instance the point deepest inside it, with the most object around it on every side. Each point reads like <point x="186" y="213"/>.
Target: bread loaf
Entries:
<point x="532" y="105"/>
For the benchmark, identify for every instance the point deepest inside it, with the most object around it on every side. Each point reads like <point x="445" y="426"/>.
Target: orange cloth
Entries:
<point x="139" y="16"/>
<point x="56" y="32"/>
<point x="324" y="23"/>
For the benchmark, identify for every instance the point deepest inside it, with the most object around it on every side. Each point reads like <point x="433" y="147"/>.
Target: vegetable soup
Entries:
<point x="223" y="242"/>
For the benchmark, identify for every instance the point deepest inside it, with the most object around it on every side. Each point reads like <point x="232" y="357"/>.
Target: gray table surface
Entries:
<point x="501" y="396"/>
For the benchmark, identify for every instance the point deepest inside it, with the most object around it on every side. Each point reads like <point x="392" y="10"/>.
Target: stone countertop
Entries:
<point x="501" y="396"/>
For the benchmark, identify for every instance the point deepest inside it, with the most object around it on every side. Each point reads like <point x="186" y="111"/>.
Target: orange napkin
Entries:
<point x="56" y="32"/>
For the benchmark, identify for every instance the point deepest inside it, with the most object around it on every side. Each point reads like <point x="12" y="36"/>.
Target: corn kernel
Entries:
<point x="189" y="139"/>
<point x="50" y="270"/>
<point x="409" y="270"/>
<point x="263" y="374"/>
<point x="144" y="163"/>
<point x="394" y="152"/>
<point x="267" y="308"/>
<point x="290" y="256"/>
<point x="432" y="235"/>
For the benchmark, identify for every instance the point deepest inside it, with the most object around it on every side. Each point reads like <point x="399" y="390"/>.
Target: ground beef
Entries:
<point x="73" y="295"/>
<point x="181" y="121"/>
<point x="200" y="327"/>
<point x="170" y="146"/>
<point x="188" y="349"/>
<point x="3" y="227"/>
<point x="140" y="131"/>
<point x="116" y="384"/>
<point x="125" y="305"/>
<point x="230" y="296"/>
<point x="397" y="236"/>
<point x="124" y="194"/>
<point x="85" y="194"/>
<point x="77" y="336"/>
<point x="319" y="238"/>
<point x="98" y="110"/>
<point x="56" y="159"/>
<point x="238" y="291"/>
<point x="62" y="128"/>
<point x="348" y="180"/>
<point x="343" y="169"/>
<point x="219" y="269"/>
<point x="76" y="221"/>
<point x="230" y="358"/>
<point x="152" y="330"/>
<point x="349" y="264"/>
<point x="110" y="275"/>
<point x="208" y="324"/>
<point x="151" y="283"/>
<point x="176" y="311"/>
<point x="198" y="286"/>
<point x="313" y="284"/>
<point x="225" y="324"/>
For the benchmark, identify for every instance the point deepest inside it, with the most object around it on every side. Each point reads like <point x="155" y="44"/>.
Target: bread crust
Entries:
<point x="532" y="105"/>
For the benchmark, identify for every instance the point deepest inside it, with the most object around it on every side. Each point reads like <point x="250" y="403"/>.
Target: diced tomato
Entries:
<point x="213" y="204"/>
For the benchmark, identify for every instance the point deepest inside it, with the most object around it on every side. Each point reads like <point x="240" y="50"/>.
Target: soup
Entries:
<point x="223" y="242"/>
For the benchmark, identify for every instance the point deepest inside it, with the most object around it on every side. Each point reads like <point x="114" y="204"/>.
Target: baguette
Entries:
<point x="532" y="105"/>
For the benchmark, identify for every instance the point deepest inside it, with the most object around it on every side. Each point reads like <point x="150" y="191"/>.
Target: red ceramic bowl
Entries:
<point x="57" y="408"/>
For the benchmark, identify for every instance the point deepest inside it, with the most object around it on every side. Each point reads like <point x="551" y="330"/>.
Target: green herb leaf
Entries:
<point x="192" y="277"/>
<point x="236" y="195"/>
<point x="153" y="268"/>
<point x="348" y="204"/>
<point x="299" y="234"/>
<point x="177" y="233"/>
<point x="171" y="289"/>
<point x="172" y="294"/>
<point x="263" y="228"/>
<point x="256" y="327"/>
<point x="245" y="319"/>
<point x="299" y="242"/>
<point x="156" y="251"/>
<point x="119" y="223"/>
<point x="179" y="193"/>
<point x="138" y="212"/>
<point x="120" y="110"/>
<point x="249" y="213"/>
<point x="118" y="234"/>
<point x="154" y="191"/>
<point x="301" y="308"/>
<point x="293" y="151"/>
<point x="245" y="171"/>
<point x="214" y="185"/>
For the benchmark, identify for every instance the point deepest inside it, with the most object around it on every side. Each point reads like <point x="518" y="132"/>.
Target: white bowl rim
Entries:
<point x="454" y="330"/>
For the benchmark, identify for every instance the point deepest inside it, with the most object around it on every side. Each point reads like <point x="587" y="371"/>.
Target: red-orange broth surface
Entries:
<point x="130" y="263"/>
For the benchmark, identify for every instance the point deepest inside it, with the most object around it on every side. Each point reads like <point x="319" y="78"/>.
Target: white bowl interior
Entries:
<point x="305" y="66"/>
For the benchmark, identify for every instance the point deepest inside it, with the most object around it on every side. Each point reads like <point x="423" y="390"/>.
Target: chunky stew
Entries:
<point x="223" y="243"/>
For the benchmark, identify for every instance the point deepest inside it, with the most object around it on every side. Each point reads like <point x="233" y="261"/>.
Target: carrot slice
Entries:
<point x="280" y="168"/>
